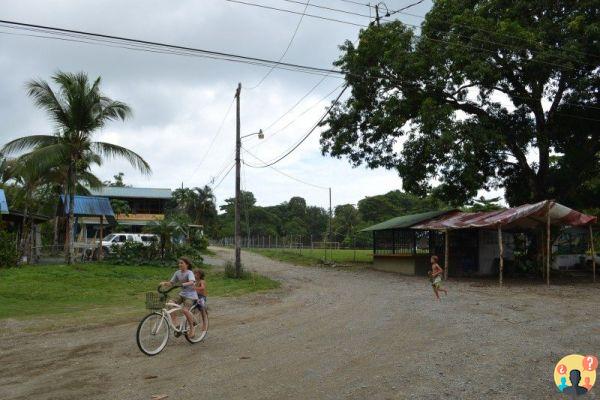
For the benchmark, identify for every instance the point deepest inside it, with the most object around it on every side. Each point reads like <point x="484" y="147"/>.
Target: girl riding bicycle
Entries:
<point x="187" y="297"/>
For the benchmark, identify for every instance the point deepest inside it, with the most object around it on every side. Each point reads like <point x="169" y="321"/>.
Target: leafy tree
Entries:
<point x="78" y="109"/>
<point x="484" y="97"/>
<point x="120" y="206"/>
<point x="345" y="221"/>
<point x="119" y="181"/>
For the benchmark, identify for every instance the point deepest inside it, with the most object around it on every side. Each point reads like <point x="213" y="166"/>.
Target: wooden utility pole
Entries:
<point x="593" y="253"/>
<point x="329" y="239"/>
<point x="501" y="250"/>
<point x="446" y="253"/>
<point x="377" y="14"/>
<point x="548" y="249"/>
<point x="238" y="145"/>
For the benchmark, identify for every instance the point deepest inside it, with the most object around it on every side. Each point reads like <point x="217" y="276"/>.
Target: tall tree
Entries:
<point x="79" y="109"/>
<point x="484" y="96"/>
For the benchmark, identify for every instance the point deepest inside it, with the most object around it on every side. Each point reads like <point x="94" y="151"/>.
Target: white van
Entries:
<point x="118" y="239"/>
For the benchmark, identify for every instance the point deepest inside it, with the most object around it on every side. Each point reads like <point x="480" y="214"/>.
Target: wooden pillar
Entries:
<point x="593" y="254"/>
<point x="100" y="250"/>
<point x="542" y="249"/>
<point x="548" y="250"/>
<point x="446" y="253"/>
<point x="501" y="249"/>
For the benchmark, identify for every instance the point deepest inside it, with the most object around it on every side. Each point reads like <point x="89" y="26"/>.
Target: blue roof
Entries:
<point x="132" y="192"/>
<point x="88" y="206"/>
<point x="3" y="203"/>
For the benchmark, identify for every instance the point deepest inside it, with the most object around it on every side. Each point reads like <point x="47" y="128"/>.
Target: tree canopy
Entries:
<point x="489" y="94"/>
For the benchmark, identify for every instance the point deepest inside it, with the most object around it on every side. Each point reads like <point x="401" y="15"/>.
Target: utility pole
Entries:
<point x="377" y="14"/>
<point x="330" y="217"/>
<point x="238" y="145"/>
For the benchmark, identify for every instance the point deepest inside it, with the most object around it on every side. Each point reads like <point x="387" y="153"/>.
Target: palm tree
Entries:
<point x="78" y="109"/>
<point x="165" y="229"/>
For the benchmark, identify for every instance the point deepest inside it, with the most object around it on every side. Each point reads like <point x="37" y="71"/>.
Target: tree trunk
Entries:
<point x="69" y="245"/>
<point x="24" y="232"/>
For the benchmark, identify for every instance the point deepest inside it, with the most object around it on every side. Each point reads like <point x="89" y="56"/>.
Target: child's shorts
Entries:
<point x="437" y="282"/>
<point x="201" y="301"/>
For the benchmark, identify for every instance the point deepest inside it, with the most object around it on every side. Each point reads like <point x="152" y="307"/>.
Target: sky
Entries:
<point x="179" y="103"/>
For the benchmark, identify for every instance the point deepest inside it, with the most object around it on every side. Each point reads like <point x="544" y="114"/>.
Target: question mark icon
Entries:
<point x="590" y="363"/>
<point x="561" y="369"/>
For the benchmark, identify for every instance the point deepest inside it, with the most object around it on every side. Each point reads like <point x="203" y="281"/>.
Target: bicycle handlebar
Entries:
<point x="163" y="291"/>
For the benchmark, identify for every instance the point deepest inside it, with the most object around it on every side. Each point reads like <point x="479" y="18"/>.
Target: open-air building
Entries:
<point x="476" y="244"/>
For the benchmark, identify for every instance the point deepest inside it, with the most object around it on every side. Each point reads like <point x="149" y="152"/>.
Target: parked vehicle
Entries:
<point x="564" y="262"/>
<point x="118" y="239"/>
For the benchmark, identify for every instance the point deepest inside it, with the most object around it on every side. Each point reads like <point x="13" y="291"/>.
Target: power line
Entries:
<point x="296" y="12"/>
<point x="286" y="49"/>
<point x="213" y="139"/>
<point x="192" y="50"/>
<point x="281" y="172"/>
<point x="290" y="151"/>
<point x="225" y="176"/>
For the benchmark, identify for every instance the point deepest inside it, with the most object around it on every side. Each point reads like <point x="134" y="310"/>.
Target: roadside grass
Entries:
<point x="102" y="289"/>
<point x="316" y="256"/>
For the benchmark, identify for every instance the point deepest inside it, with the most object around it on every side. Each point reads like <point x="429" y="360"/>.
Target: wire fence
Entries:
<point x="324" y="251"/>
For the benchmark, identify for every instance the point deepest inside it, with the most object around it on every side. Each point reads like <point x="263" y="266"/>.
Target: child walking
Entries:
<point x="435" y="276"/>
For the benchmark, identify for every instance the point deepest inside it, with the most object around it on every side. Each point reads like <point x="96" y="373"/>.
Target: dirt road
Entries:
<point x="326" y="334"/>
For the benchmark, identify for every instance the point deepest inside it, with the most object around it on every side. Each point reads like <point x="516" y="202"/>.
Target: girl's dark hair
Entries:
<point x="199" y="272"/>
<point x="187" y="261"/>
<point x="435" y="258"/>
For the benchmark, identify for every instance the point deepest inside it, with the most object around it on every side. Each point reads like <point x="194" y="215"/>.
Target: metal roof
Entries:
<point x="132" y="192"/>
<point x="526" y="216"/>
<point x="88" y="206"/>
<point x="406" y="221"/>
<point x="3" y="203"/>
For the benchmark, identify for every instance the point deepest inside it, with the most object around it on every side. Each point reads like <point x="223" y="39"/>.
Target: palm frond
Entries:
<point x="28" y="142"/>
<point x="45" y="98"/>
<point x="113" y="151"/>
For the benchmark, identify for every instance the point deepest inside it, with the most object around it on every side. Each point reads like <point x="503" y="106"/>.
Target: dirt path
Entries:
<point x="326" y="334"/>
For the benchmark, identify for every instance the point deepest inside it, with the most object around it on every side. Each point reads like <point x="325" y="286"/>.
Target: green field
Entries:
<point x="62" y="289"/>
<point x="316" y="256"/>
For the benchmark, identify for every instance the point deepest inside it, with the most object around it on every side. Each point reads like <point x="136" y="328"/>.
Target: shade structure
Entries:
<point x="87" y="206"/>
<point x="406" y="221"/>
<point x="527" y="216"/>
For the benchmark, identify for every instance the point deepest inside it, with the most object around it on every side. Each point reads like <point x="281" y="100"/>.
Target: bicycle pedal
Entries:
<point x="176" y="334"/>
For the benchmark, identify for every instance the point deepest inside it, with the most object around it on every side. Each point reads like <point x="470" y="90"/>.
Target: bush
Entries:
<point x="231" y="273"/>
<point x="9" y="256"/>
<point x="134" y="253"/>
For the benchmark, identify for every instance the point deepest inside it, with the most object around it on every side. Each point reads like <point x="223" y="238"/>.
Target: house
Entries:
<point x="146" y="205"/>
<point x="480" y="243"/>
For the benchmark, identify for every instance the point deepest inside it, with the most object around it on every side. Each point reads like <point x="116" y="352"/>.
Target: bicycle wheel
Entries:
<point x="152" y="334"/>
<point x="199" y="333"/>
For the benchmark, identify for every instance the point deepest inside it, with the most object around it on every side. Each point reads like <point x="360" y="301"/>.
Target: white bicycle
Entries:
<point x="153" y="331"/>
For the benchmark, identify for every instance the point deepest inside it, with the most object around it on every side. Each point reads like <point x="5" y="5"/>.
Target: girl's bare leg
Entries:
<point x="190" y="320"/>
<point x="203" y="311"/>
<point x="436" y="293"/>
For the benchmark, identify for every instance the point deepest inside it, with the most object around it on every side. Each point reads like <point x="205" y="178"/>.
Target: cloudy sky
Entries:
<point x="180" y="102"/>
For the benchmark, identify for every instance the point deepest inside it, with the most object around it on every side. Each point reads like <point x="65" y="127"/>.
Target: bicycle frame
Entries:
<point x="166" y="314"/>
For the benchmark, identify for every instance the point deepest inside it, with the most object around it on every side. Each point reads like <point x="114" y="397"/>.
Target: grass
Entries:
<point x="62" y="289"/>
<point x="315" y="256"/>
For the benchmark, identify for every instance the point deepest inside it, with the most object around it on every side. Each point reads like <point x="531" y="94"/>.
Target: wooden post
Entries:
<point x="100" y="250"/>
<point x="446" y="253"/>
<point x="501" y="248"/>
<point x="548" y="250"/>
<point x="543" y="251"/>
<point x="593" y="254"/>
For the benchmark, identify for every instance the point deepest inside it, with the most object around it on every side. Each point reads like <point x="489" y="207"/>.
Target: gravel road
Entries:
<point x="326" y="334"/>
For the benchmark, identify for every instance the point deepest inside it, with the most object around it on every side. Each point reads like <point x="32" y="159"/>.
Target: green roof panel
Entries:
<point x="405" y="221"/>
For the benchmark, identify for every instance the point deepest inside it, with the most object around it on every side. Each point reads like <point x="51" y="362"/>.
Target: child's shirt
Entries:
<point x="183" y="277"/>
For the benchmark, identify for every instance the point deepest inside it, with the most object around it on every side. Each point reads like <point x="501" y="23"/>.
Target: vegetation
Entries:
<point x="9" y="256"/>
<point x="78" y="109"/>
<point x="489" y="94"/>
<point x="317" y="256"/>
<point x="62" y="289"/>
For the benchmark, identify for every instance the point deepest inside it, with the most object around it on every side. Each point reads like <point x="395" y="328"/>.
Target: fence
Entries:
<point x="319" y="250"/>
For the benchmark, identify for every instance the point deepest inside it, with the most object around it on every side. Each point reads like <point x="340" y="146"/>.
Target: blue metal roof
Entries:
<point x="88" y="206"/>
<point x="132" y="192"/>
<point x="3" y="203"/>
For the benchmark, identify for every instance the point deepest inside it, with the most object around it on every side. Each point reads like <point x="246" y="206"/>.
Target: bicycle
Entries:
<point x="153" y="331"/>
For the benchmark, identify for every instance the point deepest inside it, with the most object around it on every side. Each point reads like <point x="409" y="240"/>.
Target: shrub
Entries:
<point x="134" y="253"/>
<point x="231" y="273"/>
<point x="9" y="256"/>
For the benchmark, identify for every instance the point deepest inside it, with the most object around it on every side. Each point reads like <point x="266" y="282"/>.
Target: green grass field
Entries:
<point x="315" y="256"/>
<point x="62" y="289"/>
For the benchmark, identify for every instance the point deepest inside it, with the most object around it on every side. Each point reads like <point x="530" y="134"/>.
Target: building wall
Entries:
<point x="489" y="252"/>
<point x="401" y="264"/>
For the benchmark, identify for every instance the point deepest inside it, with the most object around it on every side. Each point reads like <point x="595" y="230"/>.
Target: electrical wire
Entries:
<point x="185" y="49"/>
<point x="290" y="151"/>
<point x="285" y="51"/>
<point x="210" y="146"/>
<point x="281" y="172"/>
<point x="225" y="176"/>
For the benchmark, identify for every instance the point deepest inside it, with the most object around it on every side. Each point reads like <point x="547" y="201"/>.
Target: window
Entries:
<point x="121" y="239"/>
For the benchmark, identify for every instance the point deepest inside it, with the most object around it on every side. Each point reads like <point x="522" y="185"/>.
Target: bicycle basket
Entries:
<point x="155" y="301"/>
